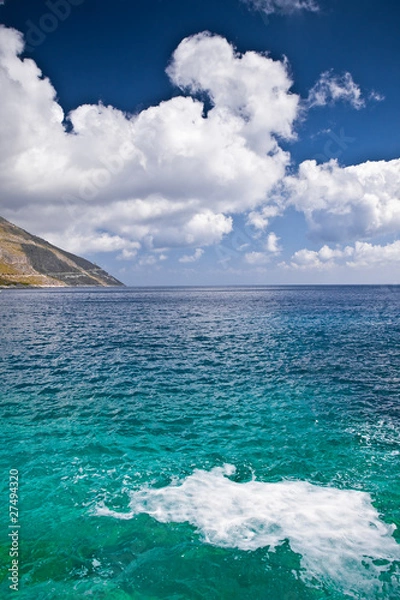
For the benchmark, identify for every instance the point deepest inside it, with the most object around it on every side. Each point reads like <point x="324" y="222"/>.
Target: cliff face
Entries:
<point x="29" y="261"/>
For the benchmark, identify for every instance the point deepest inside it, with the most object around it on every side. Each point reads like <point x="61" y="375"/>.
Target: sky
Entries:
<point x="225" y="142"/>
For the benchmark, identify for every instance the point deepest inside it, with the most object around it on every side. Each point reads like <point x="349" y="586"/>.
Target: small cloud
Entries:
<point x="376" y="96"/>
<point x="193" y="258"/>
<point x="282" y="6"/>
<point x="323" y="132"/>
<point x="331" y="88"/>
<point x="127" y="254"/>
<point x="147" y="261"/>
<point x="272" y="244"/>
<point x="261" y="258"/>
<point x="260" y="219"/>
<point x="257" y="258"/>
<point x="321" y="260"/>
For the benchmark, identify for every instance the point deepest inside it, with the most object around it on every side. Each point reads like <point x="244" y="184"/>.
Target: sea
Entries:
<point x="235" y="443"/>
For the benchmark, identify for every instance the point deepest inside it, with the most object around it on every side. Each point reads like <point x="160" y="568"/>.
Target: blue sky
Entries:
<point x="229" y="142"/>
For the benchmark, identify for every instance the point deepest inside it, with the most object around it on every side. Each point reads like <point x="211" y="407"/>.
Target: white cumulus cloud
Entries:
<point x="272" y="243"/>
<point x="362" y="255"/>
<point x="165" y="177"/>
<point x="347" y="203"/>
<point x="260" y="219"/>
<point x="251" y="91"/>
<point x="173" y="176"/>
<point x="370" y="255"/>
<point x="257" y="258"/>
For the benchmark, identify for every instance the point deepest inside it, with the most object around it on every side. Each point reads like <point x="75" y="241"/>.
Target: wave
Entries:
<point x="337" y="533"/>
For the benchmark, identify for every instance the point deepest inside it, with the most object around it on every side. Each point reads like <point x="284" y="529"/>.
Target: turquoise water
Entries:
<point x="237" y="443"/>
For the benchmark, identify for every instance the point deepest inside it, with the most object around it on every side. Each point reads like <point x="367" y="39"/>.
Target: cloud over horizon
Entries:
<point x="362" y="255"/>
<point x="176" y="174"/>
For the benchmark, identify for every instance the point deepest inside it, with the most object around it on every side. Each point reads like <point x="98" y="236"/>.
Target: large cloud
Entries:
<point x="348" y="203"/>
<point x="168" y="176"/>
<point x="252" y="88"/>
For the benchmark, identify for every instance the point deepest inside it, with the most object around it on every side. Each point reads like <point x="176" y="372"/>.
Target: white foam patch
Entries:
<point x="338" y="533"/>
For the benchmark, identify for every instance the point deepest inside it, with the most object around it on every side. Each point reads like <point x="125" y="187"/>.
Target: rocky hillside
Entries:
<point x="29" y="261"/>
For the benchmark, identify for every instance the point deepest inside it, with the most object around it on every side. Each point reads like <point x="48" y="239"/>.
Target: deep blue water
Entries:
<point x="233" y="443"/>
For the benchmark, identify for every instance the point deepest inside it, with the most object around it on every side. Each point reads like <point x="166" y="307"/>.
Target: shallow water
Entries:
<point x="237" y="443"/>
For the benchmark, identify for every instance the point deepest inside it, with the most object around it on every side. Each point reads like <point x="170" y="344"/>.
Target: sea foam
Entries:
<point x="337" y="533"/>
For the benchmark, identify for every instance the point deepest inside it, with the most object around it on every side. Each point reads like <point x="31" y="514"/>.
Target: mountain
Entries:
<point x="29" y="261"/>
